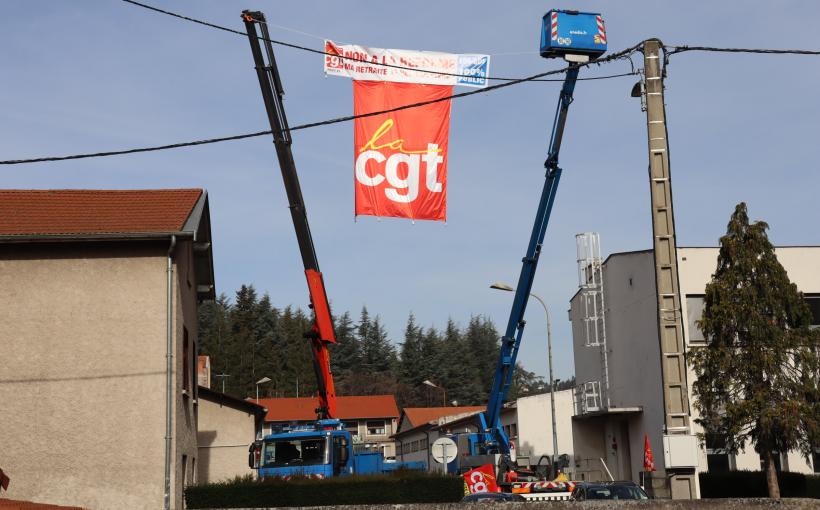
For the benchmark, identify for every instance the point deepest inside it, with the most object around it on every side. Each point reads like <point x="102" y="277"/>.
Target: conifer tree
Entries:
<point x="482" y="344"/>
<point x="243" y="316"/>
<point x="758" y="374"/>
<point x="264" y="348"/>
<point x="411" y="355"/>
<point x="452" y="366"/>
<point x="214" y="333"/>
<point x="345" y="354"/>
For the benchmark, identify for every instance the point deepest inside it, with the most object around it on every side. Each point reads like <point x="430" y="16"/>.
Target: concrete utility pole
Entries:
<point x="676" y="483"/>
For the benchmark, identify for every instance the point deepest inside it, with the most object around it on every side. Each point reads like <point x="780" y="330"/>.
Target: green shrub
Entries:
<point x="752" y="484"/>
<point x="813" y="486"/>
<point x="400" y="487"/>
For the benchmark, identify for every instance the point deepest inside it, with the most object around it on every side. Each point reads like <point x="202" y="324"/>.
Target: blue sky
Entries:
<point x="105" y="75"/>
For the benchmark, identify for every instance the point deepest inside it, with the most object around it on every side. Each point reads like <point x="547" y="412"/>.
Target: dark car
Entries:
<point x="492" y="497"/>
<point x="585" y="491"/>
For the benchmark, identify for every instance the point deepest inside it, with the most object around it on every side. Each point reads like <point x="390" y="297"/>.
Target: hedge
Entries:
<point x="752" y="484"/>
<point x="399" y="487"/>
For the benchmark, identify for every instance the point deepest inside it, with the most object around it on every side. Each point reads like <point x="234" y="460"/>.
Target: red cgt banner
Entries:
<point x="480" y="479"/>
<point x="401" y="157"/>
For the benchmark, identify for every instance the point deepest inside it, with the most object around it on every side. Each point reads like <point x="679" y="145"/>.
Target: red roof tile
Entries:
<point x="13" y="504"/>
<point x="419" y="415"/>
<point x="54" y="212"/>
<point x="347" y="408"/>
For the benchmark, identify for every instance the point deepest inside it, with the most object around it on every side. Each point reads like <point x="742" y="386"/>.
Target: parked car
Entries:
<point x="585" y="491"/>
<point x="492" y="497"/>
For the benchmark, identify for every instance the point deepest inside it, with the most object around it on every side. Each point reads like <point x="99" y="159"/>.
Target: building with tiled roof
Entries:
<point x="419" y="428"/>
<point x="96" y="285"/>
<point x="371" y="419"/>
<point x="415" y="416"/>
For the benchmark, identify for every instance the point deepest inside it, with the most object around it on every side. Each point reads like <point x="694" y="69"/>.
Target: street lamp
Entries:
<point x="261" y="381"/>
<point x="443" y="391"/>
<point x="505" y="287"/>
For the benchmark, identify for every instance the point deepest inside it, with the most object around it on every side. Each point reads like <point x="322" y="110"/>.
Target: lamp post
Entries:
<point x="443" y="392"/>
<point x="505" y="287"/>
<point x="261" y="381"/>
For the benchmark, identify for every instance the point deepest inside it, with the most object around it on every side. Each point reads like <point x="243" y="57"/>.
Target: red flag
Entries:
<point x="648" y="458"/>
<point x="480" y="479"/>
<point x="401" y="157"/>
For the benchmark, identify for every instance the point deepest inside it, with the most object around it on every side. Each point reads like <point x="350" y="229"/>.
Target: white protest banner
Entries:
<point x="363" y="63"/>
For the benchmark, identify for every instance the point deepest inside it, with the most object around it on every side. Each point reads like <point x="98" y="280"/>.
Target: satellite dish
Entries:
<point x="444" y="450"/>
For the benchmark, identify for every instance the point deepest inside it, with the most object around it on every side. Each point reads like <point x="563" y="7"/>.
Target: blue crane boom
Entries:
<point x="495" y="441"/>
<point x="576" y="36"/>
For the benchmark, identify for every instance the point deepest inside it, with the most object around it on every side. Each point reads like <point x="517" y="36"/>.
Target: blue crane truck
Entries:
<point x="318" y="450"/>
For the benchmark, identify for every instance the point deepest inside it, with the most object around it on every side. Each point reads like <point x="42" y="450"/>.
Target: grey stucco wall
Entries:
<point x="224" y="435"/>
<point x="185" y="402"/>
<point x="82" y="364"/>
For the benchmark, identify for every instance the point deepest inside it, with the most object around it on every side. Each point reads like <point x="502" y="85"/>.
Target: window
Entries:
<point x="780" y="462"/>
<point x="184" y="467"/>
<point x="193" y="369"/>
<point x="399" y="448"/>
<point x="300" y="452"/>
<point x="814" y="304"/>
<point x="423" y="444"/>
<point x="186" y="368"/>
<point x="376" y="428"/>
<point x="694" y="312"/>
<point x="717" y="459"/>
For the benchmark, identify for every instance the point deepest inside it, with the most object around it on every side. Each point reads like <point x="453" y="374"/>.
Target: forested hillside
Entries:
<point x="249" y="338"/>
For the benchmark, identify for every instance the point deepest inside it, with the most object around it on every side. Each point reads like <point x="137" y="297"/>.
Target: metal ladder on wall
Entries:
<point x="591" y="285"/>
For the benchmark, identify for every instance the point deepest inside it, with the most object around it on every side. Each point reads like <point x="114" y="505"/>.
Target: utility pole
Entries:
<point x="676" y="482"/>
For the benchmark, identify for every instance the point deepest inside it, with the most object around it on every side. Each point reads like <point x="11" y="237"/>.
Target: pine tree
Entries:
<point x="524" y="383"/>
<point x="450" y="367"/>
<point x="264" y="361"/>
<point x="411" y="355"/>
<point x="377" y="353"/>
<point x="345" y="355"/>
<point x="483" y="347"/>
<point x="430" y="347"/>
<point x="239" y="352"/>
<point x="758" y="374"/>
<point x="214" y="333"/>
<point x="296" y="359"/>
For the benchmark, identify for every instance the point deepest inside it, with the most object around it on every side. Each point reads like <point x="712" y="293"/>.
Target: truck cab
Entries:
<point x="319" y="450"/>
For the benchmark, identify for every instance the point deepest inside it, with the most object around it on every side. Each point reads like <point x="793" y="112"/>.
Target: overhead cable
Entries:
<point x="324" y="53"/>
<point x="682" y="48"/>
<point x="615" y="56"/>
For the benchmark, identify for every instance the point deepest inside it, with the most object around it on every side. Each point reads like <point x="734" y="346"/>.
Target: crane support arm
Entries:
<point x="321" y="333"/>
<point x="495" y="441"/>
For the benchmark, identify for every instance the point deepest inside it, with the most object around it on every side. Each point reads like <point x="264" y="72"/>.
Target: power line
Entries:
<point x="324" y="53"/>
<point x="682" y="48"/>
<point x="615" y="56"/>
<point x="134" y="151"/>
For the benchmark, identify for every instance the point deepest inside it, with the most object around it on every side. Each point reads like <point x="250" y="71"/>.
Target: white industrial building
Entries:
<point x="617" y="353"/>
<point x="533" y="421"/>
